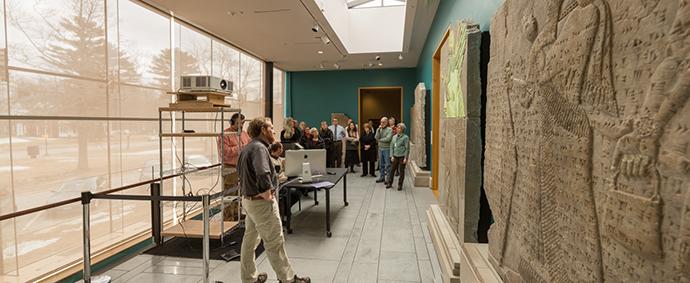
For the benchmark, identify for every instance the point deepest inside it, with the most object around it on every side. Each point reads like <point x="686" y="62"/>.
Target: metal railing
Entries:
<point x="155" y="198"/>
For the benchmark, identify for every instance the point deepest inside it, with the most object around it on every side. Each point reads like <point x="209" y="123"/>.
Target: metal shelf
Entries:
<point x="197" y="134"/>
<point x="194" y="229"/>
<point x="199" y="109"/>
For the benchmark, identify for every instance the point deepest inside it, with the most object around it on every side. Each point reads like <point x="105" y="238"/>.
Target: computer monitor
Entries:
<point x="315" y="157"/>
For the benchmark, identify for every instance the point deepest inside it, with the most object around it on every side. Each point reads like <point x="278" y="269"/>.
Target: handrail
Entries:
<point x="115" y="190"/>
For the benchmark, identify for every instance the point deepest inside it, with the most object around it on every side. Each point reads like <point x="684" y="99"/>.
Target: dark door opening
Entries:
<point x="378" y="102"/>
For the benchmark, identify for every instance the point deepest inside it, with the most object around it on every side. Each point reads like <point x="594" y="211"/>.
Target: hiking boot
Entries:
<point x="261" y="278"/>
<point x="299" y="280"/>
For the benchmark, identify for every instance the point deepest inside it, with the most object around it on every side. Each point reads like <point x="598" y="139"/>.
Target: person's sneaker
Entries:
<point x="373" y="175"/>
<point x="299" y="280"/>
<point x="261" y="278"/>
<point x="388" y="186"/>
<point x="399" y="188"/>
<point x="363" y="175"/>
<point x="379" y="180"/>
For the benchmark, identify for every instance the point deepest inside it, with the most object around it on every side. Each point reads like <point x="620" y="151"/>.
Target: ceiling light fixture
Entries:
<point x="320" y="52"/>
<point x="321" y="66"/>
<point x="380" y="64"/>
<point x="400" y="57"/>
<point x="336" y="65"/>
<point x="325" y="39"/>
<point x="315" y="28"/>
<point x="371" y="64"/>
<point x="378" y="57"/>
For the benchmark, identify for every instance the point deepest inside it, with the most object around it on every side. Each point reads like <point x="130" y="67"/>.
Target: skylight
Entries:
<point x="374" y="3"/>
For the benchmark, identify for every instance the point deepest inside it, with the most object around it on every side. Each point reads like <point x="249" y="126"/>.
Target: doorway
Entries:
<point x="377" y="102"/>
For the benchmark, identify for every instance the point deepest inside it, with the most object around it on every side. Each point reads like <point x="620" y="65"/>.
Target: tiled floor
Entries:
<point x="380" y="237"/>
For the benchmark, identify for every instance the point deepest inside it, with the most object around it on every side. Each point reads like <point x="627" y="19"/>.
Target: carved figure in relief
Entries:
<point x="569" y="76"/>
<point x="639" y="160"/>
<point x="559" y="121"/>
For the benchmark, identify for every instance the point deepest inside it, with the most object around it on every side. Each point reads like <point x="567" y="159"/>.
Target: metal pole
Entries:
<point x="206" y="202"/>
<point x="222" y="172"/>
<point x="156" y="213"/>
<point x="85" y="200"/>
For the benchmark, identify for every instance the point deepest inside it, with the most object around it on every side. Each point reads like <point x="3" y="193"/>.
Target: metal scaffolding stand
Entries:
<point x="192" y="228"/>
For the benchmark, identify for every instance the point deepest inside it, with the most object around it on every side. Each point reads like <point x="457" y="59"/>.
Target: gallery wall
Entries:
<point x="313" y="96"/>
<point x="450" y="11"/>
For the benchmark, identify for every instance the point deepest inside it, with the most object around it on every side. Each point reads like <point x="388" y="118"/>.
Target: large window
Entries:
<point x="82" y="81"/>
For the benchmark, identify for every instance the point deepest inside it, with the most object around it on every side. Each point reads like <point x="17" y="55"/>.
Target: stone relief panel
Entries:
<point x="587" y="163"/>
<point x="460" y="140"/>
<point x="417" y="133"/>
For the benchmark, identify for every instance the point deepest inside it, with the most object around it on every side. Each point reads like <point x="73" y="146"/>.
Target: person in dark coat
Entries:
<point x="351" y="147"/>
<point x="367" y="142"/>
<point x="290" y="133"/>
<point x="326" y="136"/>
<point x="314" y="141"/>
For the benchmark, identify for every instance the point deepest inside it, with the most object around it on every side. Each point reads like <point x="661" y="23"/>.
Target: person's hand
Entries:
<point x="366" y="147"/>
<point x="267" y="195"/>
<point x="392" y="159"/>
<point x="634" y="155"/>
<point x="404" y="161"/>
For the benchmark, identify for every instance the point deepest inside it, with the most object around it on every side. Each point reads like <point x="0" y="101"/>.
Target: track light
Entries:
<point x="400" y="57"/>
<point x="378" y="58"/>
<point x="325" y="39"/>
<point x="336" y="65"/>
<point x="371" y="64"/>
<point x="380" y="64"/>
<point x="315" y="28"/>
<point x="321" y="66"/>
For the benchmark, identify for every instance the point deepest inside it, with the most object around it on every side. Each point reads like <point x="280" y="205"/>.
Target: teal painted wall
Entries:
<point x="450" y="11"/>
<point x="313" y="96"/>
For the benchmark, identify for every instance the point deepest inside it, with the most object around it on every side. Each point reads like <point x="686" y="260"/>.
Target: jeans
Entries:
<point x="384" y="163"/>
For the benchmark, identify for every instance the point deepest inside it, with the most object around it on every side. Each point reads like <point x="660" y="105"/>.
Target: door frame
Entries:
<point x="359" y="102"/>
<point x="436" y="111"/>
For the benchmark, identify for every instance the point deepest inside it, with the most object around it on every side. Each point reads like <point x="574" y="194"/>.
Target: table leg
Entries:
<point x="316" y="198"/>
<point x="288" y="212"/>
<point x="328" y="213"/>
<point x="345" y="189"/>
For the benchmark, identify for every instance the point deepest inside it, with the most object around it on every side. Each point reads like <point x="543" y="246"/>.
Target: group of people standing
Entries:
<point x="255" y="155"/>
<point x="387" y="144"/>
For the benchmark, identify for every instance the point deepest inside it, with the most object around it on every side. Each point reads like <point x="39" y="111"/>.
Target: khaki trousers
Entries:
<point x="263" y="223"/>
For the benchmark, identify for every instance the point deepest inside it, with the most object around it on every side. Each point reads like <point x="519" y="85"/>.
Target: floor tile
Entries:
<point x="398" y="266"/>
<point x="380" y="237"/>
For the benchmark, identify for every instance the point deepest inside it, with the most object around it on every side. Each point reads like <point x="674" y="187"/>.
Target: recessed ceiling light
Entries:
<point x="380" y="64"/>
<point x="320" y="52"/>
<point x="378" y="57"/>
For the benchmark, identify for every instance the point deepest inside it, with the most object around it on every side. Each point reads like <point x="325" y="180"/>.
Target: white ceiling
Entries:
<point x="279" y="31"/>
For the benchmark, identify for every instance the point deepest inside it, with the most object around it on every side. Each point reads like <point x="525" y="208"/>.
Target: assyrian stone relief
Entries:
<point x="417" y="133"/>
<point x="587" y="167"/>
<point x="460" y="138"/>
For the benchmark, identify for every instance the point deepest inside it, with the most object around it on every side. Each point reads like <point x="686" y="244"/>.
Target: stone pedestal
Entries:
<point x="420" y="178"/>
<point x="459" y="262"/>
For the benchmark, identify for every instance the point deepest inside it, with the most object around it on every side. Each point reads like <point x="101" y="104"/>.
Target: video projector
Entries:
<point x="201" y="83"/>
